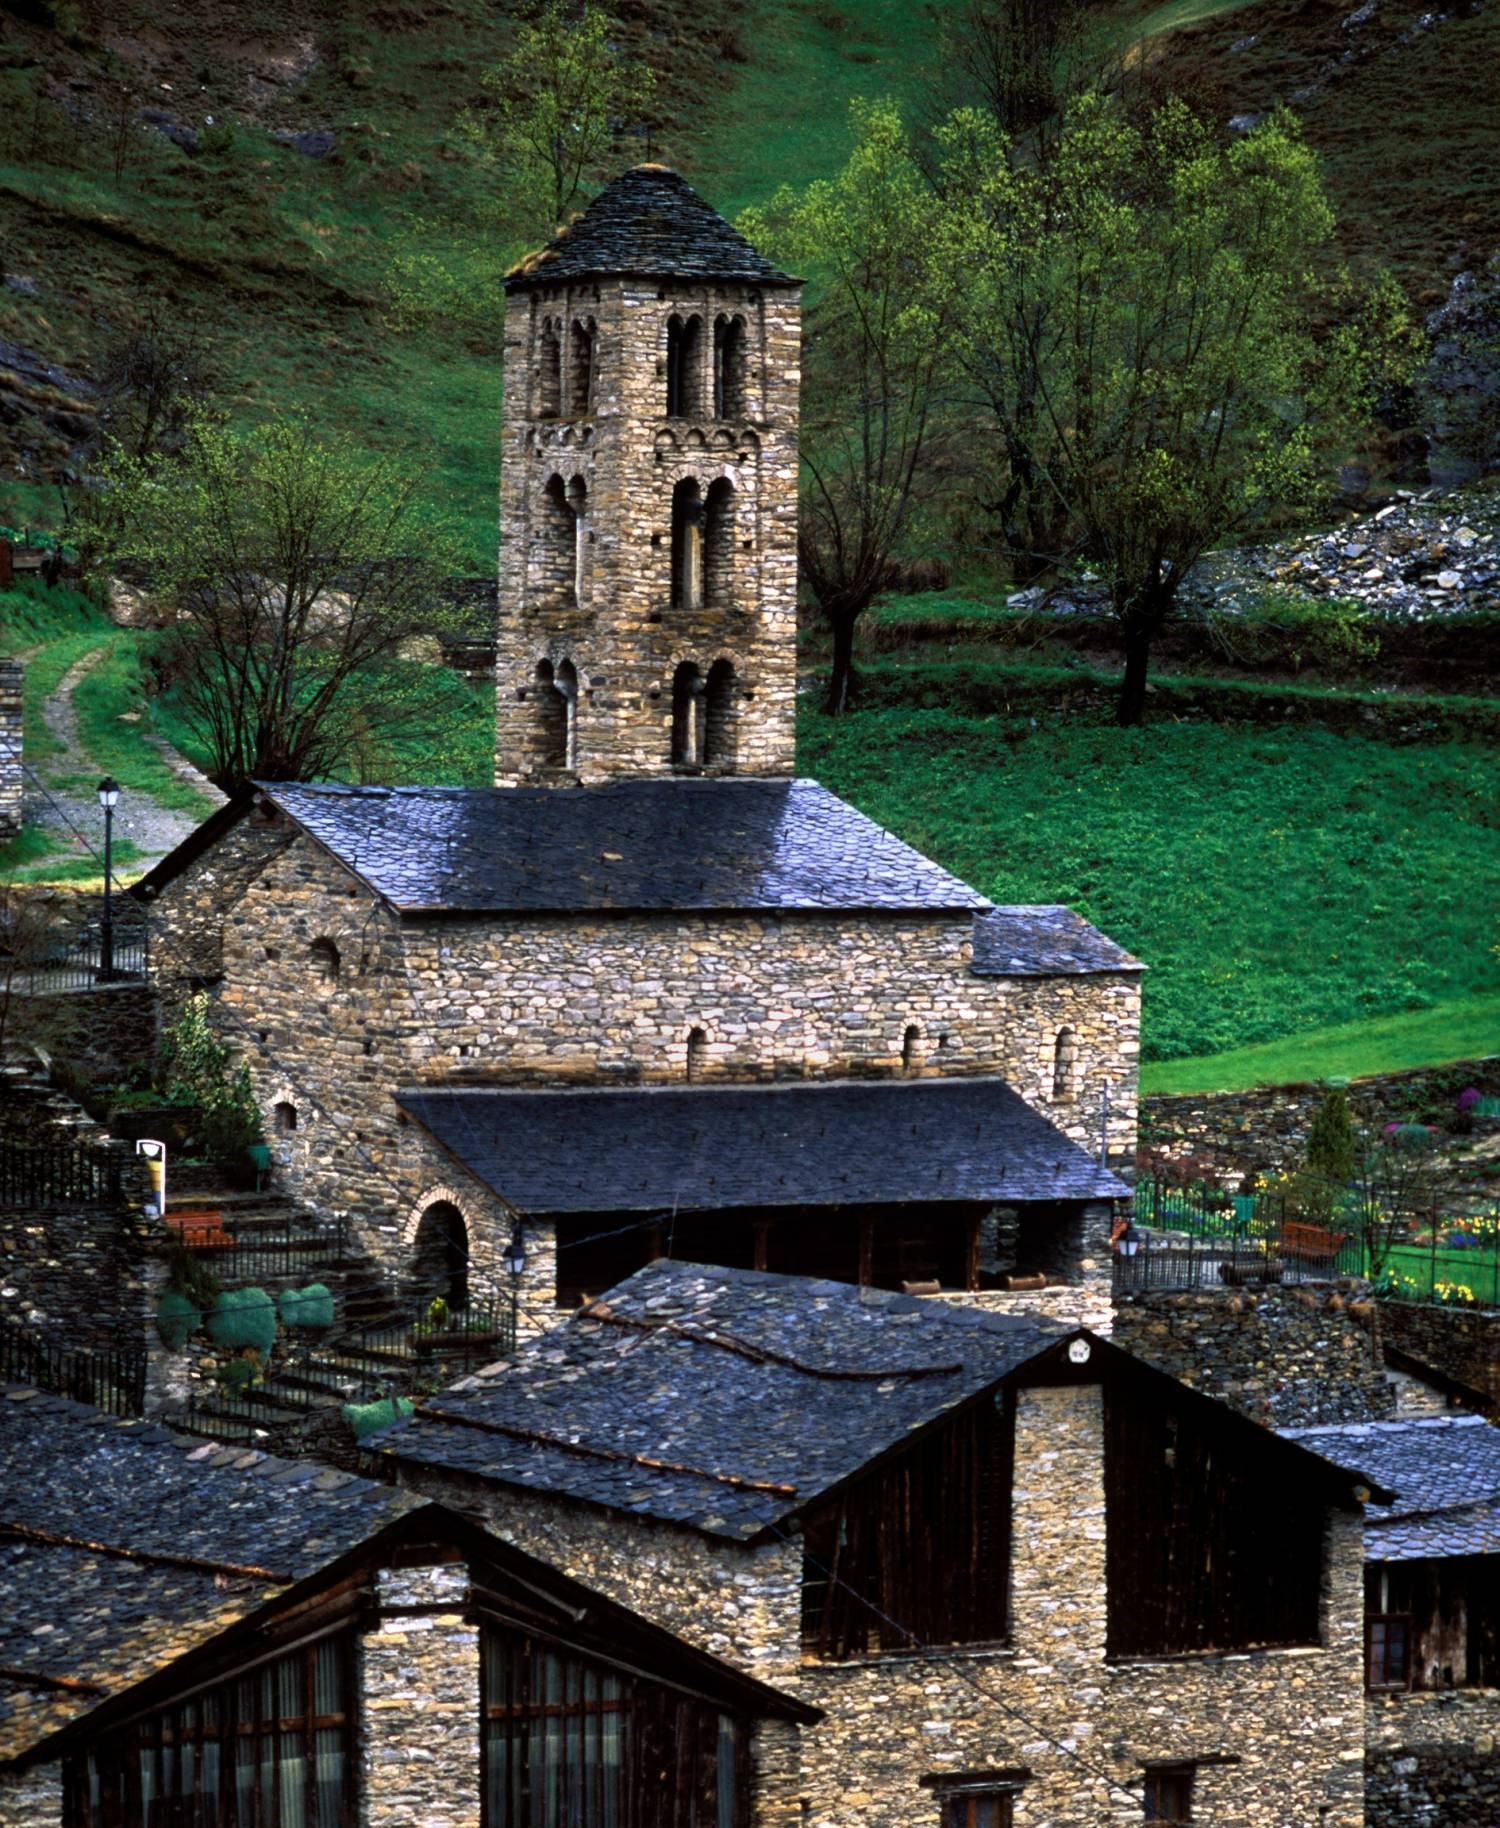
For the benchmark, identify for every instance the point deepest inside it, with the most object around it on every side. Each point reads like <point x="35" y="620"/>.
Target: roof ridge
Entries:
<point x="744" y="1348"/>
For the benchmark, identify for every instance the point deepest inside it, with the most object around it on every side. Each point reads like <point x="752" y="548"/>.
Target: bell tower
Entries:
<point x="648" y="498"/>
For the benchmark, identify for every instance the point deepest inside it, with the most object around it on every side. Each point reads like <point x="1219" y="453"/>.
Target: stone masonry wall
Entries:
<point x="1266" y="1128"/>
<point x="619" y="628"/>
<point x="1463" y="1342"/>
<point x="419" y="1702"/>
<point x="1287" y="1358"/>
<point x="32" y="1799"/>
<point x="1291" y="1721"/>
<point x="12" y="676"/>
<point x="1432" y="1760"/>
<point x="608" y="1000"/>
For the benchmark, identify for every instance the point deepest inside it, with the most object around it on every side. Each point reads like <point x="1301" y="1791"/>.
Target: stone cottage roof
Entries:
<point x="123" y="1546"/>
<point x="722" y="1399"/>
<point x="728" y="1400"/>
<point x="652" y="223"/>
<point x="706" y="1147"/>
<point x="640" y="844"/>
<point x="1445" y="1472"/>
<point x="1044" y="941"/>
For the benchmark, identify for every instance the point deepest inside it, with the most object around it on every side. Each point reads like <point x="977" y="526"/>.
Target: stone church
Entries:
<point x="652" y="994"/>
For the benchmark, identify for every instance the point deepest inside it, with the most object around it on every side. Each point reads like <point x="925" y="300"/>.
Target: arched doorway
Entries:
<point x="440" y="1256"/>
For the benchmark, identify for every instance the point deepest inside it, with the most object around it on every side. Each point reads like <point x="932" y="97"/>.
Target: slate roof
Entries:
<point x="709" y="1147"/>
<point x="89" y="1503"/>
<point x="648" y="844"/>
<point x="649" y="222"/>
<point x="1044" y="941"/>
<point x="1445" y="1472"/>
<point x="750" y="1394"/>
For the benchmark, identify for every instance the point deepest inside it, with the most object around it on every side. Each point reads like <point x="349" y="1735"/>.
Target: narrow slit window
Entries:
<point x="1064" y="1066"/>
<point x="687" y="544"/>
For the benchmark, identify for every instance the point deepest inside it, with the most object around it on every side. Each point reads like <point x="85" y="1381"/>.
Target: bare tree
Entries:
<point x="154" y="377"/>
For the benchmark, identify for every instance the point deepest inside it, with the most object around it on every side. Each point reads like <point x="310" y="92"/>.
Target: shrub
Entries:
<point x="237" y="1376"/>
<point x="243" y="1317"/>
<point x="177" y="1317"/>
<point x="1330" y="1140"/>
<point x="365" y="1418"/>
<point x="310" y="1307"/>
<point x="197" y="1071"/>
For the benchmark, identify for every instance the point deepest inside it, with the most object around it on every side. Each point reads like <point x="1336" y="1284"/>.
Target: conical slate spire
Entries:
<point x="652" y="223"/>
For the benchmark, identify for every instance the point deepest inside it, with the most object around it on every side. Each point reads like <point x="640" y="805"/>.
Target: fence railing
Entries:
<point x="273" y="1256"/>
<point x="469" y="1336"/>
<point x="61" y="1174"/>
<point x="110" y="1378"/>
<point x="77" y="961"/>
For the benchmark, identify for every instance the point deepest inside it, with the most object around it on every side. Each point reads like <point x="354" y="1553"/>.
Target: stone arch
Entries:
<point x="283" y="1117"/>
<point x="325" y="959"/>
<point x="440" y="1256"/>
<point x="718" y="544"/>
<point x="731" y="366"/>
<point x="1065" y="1067"/>
<point x="555" y="546"/>
<point x="720" y="716"/>
<point x="582" y="343"/>
<point x="687" y="544"/>
<point x="549" y="369"/>
<point x="554" y="696"/>
<point x="684" y="367"/>
<point x="913" y="1051"/>
<point x="697" y="1054"/>
<point x="687" y="716"/>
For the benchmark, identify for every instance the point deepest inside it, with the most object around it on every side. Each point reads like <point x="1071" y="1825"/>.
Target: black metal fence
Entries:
<point x="465" y="1337"/>
<point x="110" y="1378"/>
<point x="272" y="1256"/>
<point x="61" y="1174"/>
<point x="80" y="960"/>
<point x="1189" y="1238"/>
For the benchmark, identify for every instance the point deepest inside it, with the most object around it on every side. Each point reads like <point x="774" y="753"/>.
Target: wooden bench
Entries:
<point x="1311" y="1243"/>
<point x="200" y="1227"/>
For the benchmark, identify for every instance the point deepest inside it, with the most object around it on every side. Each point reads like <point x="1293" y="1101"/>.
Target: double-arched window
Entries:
<point x="703" y="715"/>
<point x="703" y="544"/>
<point x="554" y="697"/>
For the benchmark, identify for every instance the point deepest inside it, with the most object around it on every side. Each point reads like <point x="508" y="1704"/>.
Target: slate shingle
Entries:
<point x="712" y="1147"/>
<point x="1444" y="1470"/>
<point x="80" y="1613"/>
<point x="643" y="845"/>
<point x="761" y="1391"/>
<point x="1044" y="941"/>
<point x="649" y="222"/>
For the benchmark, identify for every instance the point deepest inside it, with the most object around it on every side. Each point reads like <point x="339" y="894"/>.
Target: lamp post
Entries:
<point x="515" y="1262"/>
<point x="109" y="798"/>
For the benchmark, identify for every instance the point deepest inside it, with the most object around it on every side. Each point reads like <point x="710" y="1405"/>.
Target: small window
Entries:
<point x="684" y="360"/>
<point x="697" y="1055"/>
<point x="719" y="716"/>
<point x="1169" y="1797"/>
<point x="550" y="366"/>
<point x="978" y="1809"/>
<point x="285" y="1117"/>
<point x="325" y="960"/>
<point x="729" y="368"/>
<point x="688" y="514"/>
<point x="1388" y="1650"/>
<point x="718" y="544"/>
<point x="688" y="690"/>
<point x="1064" y="1061"/>
<point x="581" y="378"/>
<point x="911" y="1053"/>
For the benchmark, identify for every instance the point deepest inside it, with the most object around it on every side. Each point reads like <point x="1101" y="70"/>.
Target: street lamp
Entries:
<point x="515" y="1263"/>
<point x="109" y="798"/>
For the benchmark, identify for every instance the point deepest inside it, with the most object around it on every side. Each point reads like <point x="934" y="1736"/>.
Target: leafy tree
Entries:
<point x="555" y="111"/>
<point x="874" y="348"/>
<point x="293" y="561"/>
<point x="1145" y="317"/>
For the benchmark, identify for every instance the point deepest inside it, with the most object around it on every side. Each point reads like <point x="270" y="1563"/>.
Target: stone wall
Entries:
<point x="1432" y="1760"/>
<point x="1288" y="1358"/>
<point x="1266" y="1128"/>
<point x="593" y="587"/>
<point x="1288" y="1724"/>
<point x="32" y="1799"/>
<point x="605" y="1000"/>
<point x="95" y="1037"/>
<point x="1462" y="1342"/>
<point x="12" y="676"/>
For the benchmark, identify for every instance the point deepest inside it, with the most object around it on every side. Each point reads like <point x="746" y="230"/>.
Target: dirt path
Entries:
<point x="65" y="806"/>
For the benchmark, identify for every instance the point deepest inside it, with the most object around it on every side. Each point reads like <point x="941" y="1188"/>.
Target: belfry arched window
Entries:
<point x="581" y="367"/>
<point x="684" y="367"/>
<point x="549" y="370"/>
<point x="718" y="544"/>
<point x="729" y="368"/>
<point x="578" y="507"/>
<point x="687" y="716"/>
<point x="554" y="694"/>
<point x="1064" y="1064"/>
<point x="687" y="544"/>
<point x="719" y="716"/>
<point x="556" y="551"/>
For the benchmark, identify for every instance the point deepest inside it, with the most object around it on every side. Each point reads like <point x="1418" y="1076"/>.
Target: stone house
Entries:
<point x="1028" y="1579"/>
<point x="1432" y="1617"/>
<point x="203" y="1636"/>
<point x="438" y="989"/>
